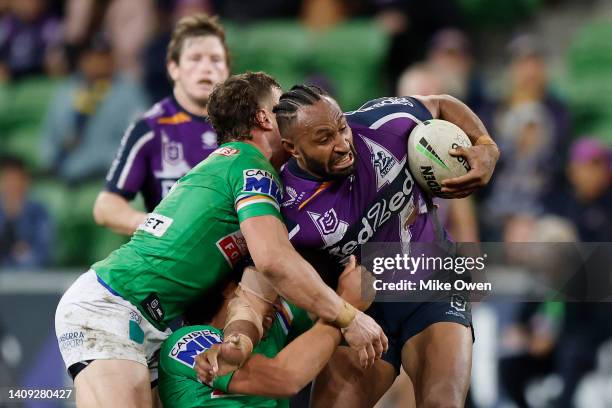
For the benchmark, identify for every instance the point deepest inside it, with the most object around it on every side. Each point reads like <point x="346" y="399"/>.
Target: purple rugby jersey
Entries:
<point x="159" y="149"/>
<point x="373" y="204"/>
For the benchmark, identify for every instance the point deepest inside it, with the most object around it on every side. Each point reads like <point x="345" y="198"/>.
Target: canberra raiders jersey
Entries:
<point x="158" y="150"/>
<point x="178" y="383"/>
<point x="192" y="240"/>
<point x="379" y="202"/>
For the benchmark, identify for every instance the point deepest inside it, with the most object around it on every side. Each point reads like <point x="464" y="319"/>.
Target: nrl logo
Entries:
<point x="331" y="228"/>
<point x="172" y="151"/>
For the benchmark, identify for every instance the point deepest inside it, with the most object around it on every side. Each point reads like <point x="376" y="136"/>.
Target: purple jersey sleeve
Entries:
<point x="129" y="170"/>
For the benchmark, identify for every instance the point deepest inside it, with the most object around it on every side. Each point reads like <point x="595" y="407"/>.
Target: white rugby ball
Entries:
<point x="428" y="157"/>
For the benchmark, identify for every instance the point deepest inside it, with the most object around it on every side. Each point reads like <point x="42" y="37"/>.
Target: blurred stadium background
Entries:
<point x="538" y="72"/>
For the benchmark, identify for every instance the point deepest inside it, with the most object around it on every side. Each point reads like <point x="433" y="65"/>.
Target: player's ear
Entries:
<point x="289" y="147"/>
<point x="262" y="119"/>
<point x="173" y="70"/>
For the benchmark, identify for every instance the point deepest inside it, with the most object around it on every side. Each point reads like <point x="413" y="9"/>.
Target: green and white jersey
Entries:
<point x="192" y="240"/>
<point x="178" y="383"/>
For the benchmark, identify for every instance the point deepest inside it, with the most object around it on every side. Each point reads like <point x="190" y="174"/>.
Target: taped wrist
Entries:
<point x="240" y="309"/>
<point x="256" y="284"/>
<point x="485" y="140"/>
<point x="345" y="316"/>
<point x="243" y="342"/>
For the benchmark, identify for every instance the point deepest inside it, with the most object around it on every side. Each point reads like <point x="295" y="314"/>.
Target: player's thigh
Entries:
<point x="113" y="383"/>
<point x="343" y="383"/>
<point x="438" y="361"/>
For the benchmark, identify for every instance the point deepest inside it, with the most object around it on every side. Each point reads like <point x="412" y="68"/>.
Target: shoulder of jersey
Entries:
<point x="165" y="113"/>
<point x="156" y="111"/>
<point x="372" y="111"/>
<point x="226" y="151"/>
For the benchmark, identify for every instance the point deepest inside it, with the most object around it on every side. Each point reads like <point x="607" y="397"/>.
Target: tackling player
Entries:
<point x="347" y="183"/>
<point x="292" y="353"/>
<point x="112" y="320"/>
<point x="174" y="135"/>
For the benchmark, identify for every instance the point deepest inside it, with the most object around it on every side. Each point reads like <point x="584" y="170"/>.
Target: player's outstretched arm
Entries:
<point x="294" y="367"/>
<point x="297" y="363"/>
<point x="297" y="281"/>
<point x="113" y="211"/>
<point x="482" y="156"/>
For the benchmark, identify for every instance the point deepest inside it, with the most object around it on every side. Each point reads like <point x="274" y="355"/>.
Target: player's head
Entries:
<point x="14" y="178"/>
<point x="241" y="107"/>
<point x="197" y="57"/>
<point x="314" y="130"/>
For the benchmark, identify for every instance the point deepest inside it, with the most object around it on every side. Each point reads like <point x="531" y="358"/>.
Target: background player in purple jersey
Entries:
<point x="347" y="183"/>
<point x="174" y="135"/>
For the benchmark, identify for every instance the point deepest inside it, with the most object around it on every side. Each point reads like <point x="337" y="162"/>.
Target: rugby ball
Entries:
<point x="428" y="157"/>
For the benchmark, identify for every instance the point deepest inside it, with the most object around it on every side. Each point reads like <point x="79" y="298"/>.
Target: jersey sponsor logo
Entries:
<point x="233" y="247"/>
<point x="331" y="228"/>
<point x="71" y="340"/>
<point x="392" y="201"/>
<point x="261" y="181"/>
<point x="190" y="345"/>
<point x="209" y="139"/>
<point x="226" y="151"/>
<point x="386" y="165"/>
<point x="384" y="102"/>
<point x="156" y="224"/>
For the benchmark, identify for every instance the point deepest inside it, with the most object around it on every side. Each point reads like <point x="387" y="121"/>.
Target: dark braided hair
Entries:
<point x="290" y="102"/>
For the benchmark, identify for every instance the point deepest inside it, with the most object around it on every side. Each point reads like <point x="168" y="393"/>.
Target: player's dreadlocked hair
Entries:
<point x="290" y="102"/>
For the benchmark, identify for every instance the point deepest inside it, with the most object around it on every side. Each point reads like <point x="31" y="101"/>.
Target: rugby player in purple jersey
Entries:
<point x="347" y="183"/>
<point x="175" y="134"/>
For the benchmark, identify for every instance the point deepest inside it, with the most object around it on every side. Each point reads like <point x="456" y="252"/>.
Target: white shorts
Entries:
<point x="91" y="323"/>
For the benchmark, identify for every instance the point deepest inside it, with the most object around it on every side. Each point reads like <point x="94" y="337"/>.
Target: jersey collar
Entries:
<point x="297" y="171"/>
<point x="176" y="103"/>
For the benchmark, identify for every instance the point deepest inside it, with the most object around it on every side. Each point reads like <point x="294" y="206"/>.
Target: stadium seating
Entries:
<point x="589" y="85"/>
<point x="22" y="108"/>
<point x="505" y="13"/>
<point x="349" y="55"/>
<point x="80" y="242"/>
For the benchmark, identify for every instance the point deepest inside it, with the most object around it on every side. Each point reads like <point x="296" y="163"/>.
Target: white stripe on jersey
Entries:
<point x="392" y="116"/>
<point x="130" y="160"/>
<point x="241" y="205"/>
<point x="294" y="231"/>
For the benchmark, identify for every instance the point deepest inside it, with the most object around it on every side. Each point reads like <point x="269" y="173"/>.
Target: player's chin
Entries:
<point x="201" y="98"/>
<point x="342" y="172"/>
<point x="343" y="167"/>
